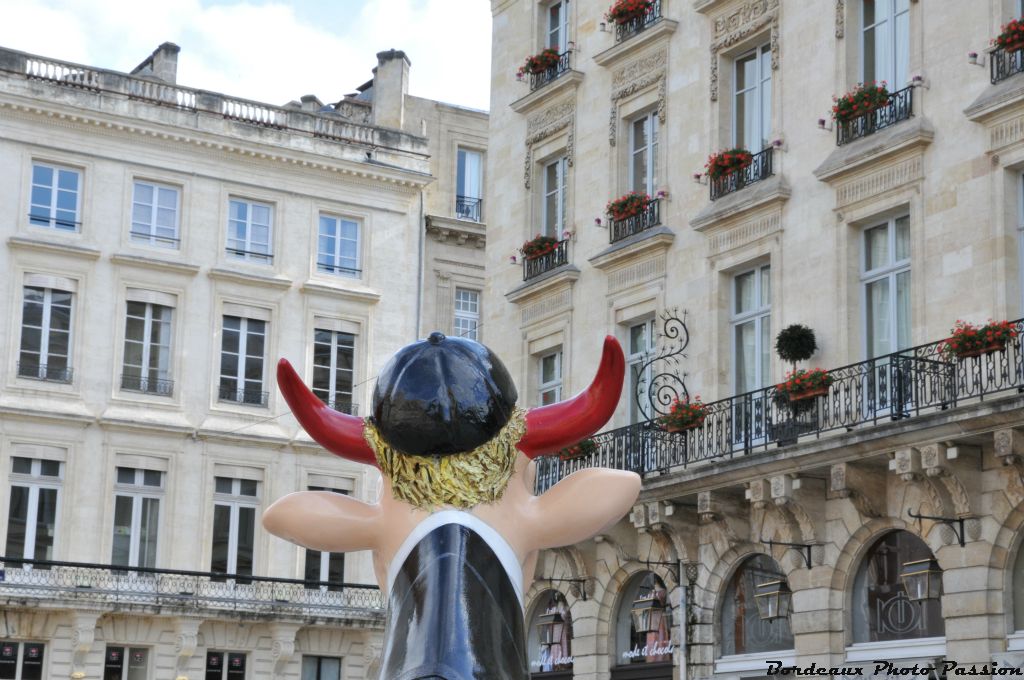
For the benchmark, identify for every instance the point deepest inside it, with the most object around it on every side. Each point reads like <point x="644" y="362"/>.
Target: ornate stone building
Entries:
<point x="880" y="517"/>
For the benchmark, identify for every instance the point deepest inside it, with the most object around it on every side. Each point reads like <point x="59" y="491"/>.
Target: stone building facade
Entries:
<point x="878" y="231"/>
<point x="162" y="246"/>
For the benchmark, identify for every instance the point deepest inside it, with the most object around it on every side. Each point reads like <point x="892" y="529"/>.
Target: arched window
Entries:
<point x="1017" y="584"/>
<point x="643" y="624"/>
<point x="743" y="631"/>
<point x="549" y="637"/>
<point x="881" y="609"/>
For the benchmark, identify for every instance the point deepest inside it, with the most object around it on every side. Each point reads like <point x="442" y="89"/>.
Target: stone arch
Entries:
<point x="850" y="554"/>
<point x="1006" y="546"/>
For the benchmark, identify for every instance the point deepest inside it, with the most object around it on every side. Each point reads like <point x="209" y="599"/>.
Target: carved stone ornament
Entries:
<point x="739" y="24"/>
<point x="545" y="123"/>
<point x="634" y="77"/>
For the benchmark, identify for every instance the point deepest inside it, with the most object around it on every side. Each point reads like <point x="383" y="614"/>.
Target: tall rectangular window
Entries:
<point x="147" y="349"/>
<point x="752" y="100"/>
<point x="885" y="42"/>
<point x="45" y="334"/>
<point x="32" y="512"/>
<point x="325" y="567"/>
<point x="643" y="166"/>
<point x="155" y="214"/>
<point x="321" y="668"/>
<point x="21" y="660"/>
<point x="555" y="194"/>
<point x="234" y="525"/>
<point x="137" y="496"/>
<point x="549" y="384"/>
<point x="126" y="663"/>
<point x="469" y="189"/>
<point x="56" y="197"/>
<point x="641" y="344"/>
<point x="225" y="666"/>
<point x="249" y="231"/>
<point x="334" y="368"/>
<point x="467" y="313"/>
<point x="241" y="361"/>
<point x="886" y="280"/>
<point x="751" y="328"/>
<point x="338" y="249"/>
<point x="558" y="26"/>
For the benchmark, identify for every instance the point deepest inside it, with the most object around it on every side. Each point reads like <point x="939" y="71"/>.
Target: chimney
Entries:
<point x="162" y="64"/>
<point x="390" y="85"/>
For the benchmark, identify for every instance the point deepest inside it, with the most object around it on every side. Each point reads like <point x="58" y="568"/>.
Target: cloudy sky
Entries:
<point x="269" y="50"/>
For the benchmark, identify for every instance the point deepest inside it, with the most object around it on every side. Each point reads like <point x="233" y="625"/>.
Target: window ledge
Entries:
<point x="155" y="263"/>
<point x="850" y="157"/>
<point x="460" y="232"/>
<point x="920" y="648"/>
<point x="660" y="29"/>
<point x="775" y="189"/>
<point x="569" y="80"/>
<point x="649" y="240"/>
<point x="53" y="247"/>
<point x="257" y="428"/>
<point x="567" y="273"/>
<point x="996" y="99"/>
<point x="278" y="282"/>
<point x="736" y="663"/>
<point x="144" y="416"/>
<point x="359" y="294"/>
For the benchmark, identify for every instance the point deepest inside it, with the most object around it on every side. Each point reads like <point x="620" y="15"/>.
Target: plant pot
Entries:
<point x="682" y="428"/>
<point x="1013" y="47"/>
<point x="808" y="394"/>
<point x="625" y="19"/>
<point x="978" y="351"/>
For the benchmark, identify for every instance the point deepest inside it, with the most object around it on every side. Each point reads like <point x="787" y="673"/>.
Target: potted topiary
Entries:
<point x="795" y="343"/>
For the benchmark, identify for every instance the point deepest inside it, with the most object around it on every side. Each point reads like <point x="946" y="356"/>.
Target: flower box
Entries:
<point x="861" y="100"/>
<point x="726" y="162"/>
<point x="1011" y="36"/>
<point x="539" y="246"/>
<point x="624" y="11"/>
<point x="628" y="205"/>
<point x="804" y="384"/>
<point x="684" y="415"/>
<point x="808" y="394"/>
<point x="967" y="340"/>
<point x="538" y="63"/>
<point x="578" y="450"/>
<point x="987" y="349"/>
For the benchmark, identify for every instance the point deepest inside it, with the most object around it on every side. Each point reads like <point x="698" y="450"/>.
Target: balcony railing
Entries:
<point x="547" y="75"/>
<point x="141" y="383"/>
<point x="1004" y="63"/>
<point x="342" y="405"/>
<point x="899" y="107"/>
<point x="535" y="266"/>
<point x="645" y="219"/>
<point x="245" y="397"/>
<point x="760" y="168"/>
<point x="468" y="208"/>
<point x="61" y="374"/>
<point x="630" y="28"/>
<point x="905" y="384"/>
<point x="107" y="585"/>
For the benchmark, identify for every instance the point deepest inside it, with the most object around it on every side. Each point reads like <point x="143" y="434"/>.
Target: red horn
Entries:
<point x="549" y="429"/>
<point x="339" y="433"/>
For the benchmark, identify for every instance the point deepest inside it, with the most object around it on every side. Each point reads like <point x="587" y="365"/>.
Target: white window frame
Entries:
<point x="1020" y="237"/>
<point x="247" y="251"/>
<point x="553" y="385"/>
<point x="126" y="652"/>
<point x="759" y="314"/>
<point x="319" y="658"/>
<point x="45" y="330"/>
<point x="149" y="235"/>
<point x="557" y="36"/>
<point x="19" y="660"/>
<point x="638" y="413"/>
<point x="163" y="372"/>
<point x="331" y="262"/>
<point x="471" y="187"/>
<point x="889" y="271"/>
<point x="332" y="386"/>
<point x="888" y="19"/>
<point x="137" y="491"/>
<point x="235" y="501"/>
<point x="558" y="194"/>
<point x="325" y="557"/>
<point x="51" y="215"/>
<point x="243" y="342"/>
<point x="652" y="131"/>
<point x="466" y="323"/>
<point x="34" y="481"/>
<point x="224" y="662"/>
<point x="762" y="88"/>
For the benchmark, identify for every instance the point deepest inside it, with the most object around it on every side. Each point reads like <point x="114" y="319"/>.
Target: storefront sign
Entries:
<point x="650" y="649"/>
<point x="547" y="662"/>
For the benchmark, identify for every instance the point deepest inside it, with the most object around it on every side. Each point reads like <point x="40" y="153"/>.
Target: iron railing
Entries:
<point x="1004" y="63"/>
<point x="342" y="405"/>
<point x="245" y="397"/>
<point x="535" y="266"/>
<point x="26" y="581"/>
<point x="550" y="73"/>
<point x="62" y="374"/>
<point x="329" y="268"/>
<point x="468" y="208"/>
<point x="899" y="107"/>
<point x="52" y="221"/>
<point x="252" y="255"/>
<point x="141" y="383"/>
<point x="760" y="168"/>
<point x="628" y="29"/>
<point x="905" y="384"/>
<point x="645" y="219"/>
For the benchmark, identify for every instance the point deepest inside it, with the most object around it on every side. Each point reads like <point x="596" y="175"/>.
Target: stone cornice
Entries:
<point x="277" y="282"/>
<point x="851" y="157"/>
<point x="566" y="82"/>
<point x="564" y="275"/>
<point x="661" y="30"/>
<point x="459" y="232"/>
<point x="359" y="295"/>
<point x="647" y="242"/>
<point x="1003" y="97"/>
<point x="775" y="189"/>
<point x="26" y="243"/>
<point x="155" y="263"/>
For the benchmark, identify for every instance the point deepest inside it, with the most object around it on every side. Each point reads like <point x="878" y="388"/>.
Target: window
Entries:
<point x="641" y="344"/>
<point x="136" y="517"/>
<point x="249" y="231"/>
<point x="469" y="185"/>
<point x="751" y="329"/>
<point x="644" y="637"/>
<point x="234" y="525"/>
<point x="743" y="629"/>
<point x="21" y="660"/>
<point x="752" y="100"/>
<point x="555" y="174"/>
<point x="643" y="148"/>
<point x="886" y="281"/>
<point x="325" y="567"/>
<point x="550" y="645"/>
<point x="334" y="368"/>
<point x="45" y="334"/>
<point x="550" y="385"/>
<point x="1017" y="588"/>
<point x="321" y="668"/>
<point x="241" y="361"/>
<point x="55" y="197"/>
<point x="126" y="663"/>
<point x="147" y="349"/>
<point x="225" y="666"/>
<point x="32" y="513"/>
<point x="338" y="251"/>
<point x="467" y="313"/>
<point x="885" y="42"/>
<point x="155" y="215"/>
<point x="558" y="26"/>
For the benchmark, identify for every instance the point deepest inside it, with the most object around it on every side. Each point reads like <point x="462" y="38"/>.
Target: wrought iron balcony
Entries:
<point x="105" y="585"/>
<point x="544" y="77"/>
<point x="903" y="385"/>
<point x="251" y="255"/>
<point x="899" y="107"/>
<point x="1004" y="63"/>
<point x="647" y="218"/>
<point x="627" y="30"/>
<point x="330" y="268"/>
<point x="245" y="397"/>
<point x="140" y="383"/>
<point x="469" y="208"/>
<point x="341" y="405"/>
<point x="760" y="168"/>
<point x="535" y="266"/>
<point x="61" y="374"/>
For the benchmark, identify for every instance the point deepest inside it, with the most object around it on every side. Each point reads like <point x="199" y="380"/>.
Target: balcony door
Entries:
<point x="752" y="100"/>
<point x="885" y="42"/>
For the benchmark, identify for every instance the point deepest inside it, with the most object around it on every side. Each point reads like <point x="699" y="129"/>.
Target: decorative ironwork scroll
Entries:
<point x="655" y="395"/>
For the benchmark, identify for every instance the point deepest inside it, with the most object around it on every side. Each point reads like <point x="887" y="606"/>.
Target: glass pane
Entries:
<point x="901" y="48"/>
<point x="221" y="538"/>
<point x="744" y="293"/>
<point x="49" y="468"/>
<point x="330" y="669"/>
<point x="125" y="475"/>
<point x="148" y="532"/>
<point x="876" y="247"/>
<point x="766" y="287"/>
<point x="122" y="543"/>
<point x="309" y="668"/>
<point x="21" y="465"/>
<point x="138" y="662"/>
<point x="902" y="238"/>
<point x="312" y="566"/>
<point x="32" y="661"/>
<point x="67" y="180"/>
<point x="902" y="310"/>
<point x="153" y="478"/>
<point x="878" y="318"/>
<point x="17" y="521"/>
<point x="246" y="535"/>
<point x="46" y="524"/>
<point x="222" y="484"/>
<point x="745" y="359"/>
<point x="246" y="487"/>
<point x="766" y="349"/>
<point x="9" y="660"/>
<point x="869" y="50"/>
<point x="42" y="174"/>
<point x="548" y="367"/>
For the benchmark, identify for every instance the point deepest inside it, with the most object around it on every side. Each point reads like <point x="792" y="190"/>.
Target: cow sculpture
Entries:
<point x="457" y="525"/>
